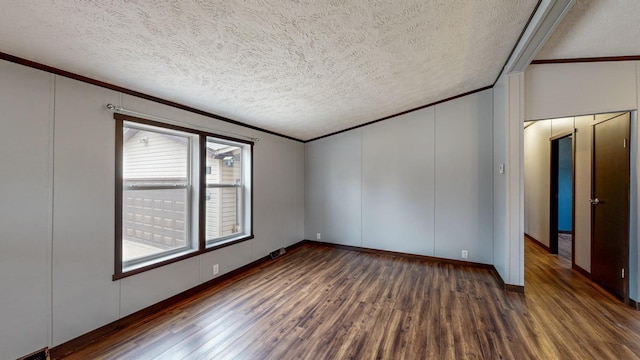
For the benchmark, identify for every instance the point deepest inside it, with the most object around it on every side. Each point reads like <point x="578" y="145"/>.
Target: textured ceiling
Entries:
<point x="596" y="28"/>
<point x="299" y="68"/>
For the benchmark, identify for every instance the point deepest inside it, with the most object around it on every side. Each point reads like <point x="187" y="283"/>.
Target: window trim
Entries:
<point x="199" y="246"/>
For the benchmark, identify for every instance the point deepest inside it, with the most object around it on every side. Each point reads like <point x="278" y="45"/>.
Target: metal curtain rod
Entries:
<point x="120" y="109"/>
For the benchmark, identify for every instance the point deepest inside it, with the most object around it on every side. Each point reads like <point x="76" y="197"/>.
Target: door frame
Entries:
<point x="627" y="228"/>
<point x="553" y="189"/>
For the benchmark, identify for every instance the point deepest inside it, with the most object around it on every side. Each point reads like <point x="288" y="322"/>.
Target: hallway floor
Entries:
<point x="576" y="318"/>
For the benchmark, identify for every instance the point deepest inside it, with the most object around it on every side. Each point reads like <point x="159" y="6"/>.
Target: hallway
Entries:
<point x="574" y="317"/>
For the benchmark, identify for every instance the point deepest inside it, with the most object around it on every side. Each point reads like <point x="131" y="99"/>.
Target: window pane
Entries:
<point x="224" y="190"/>
<point x="154" y="158"/>
<point x="224" y="163"/>
<point x="155" y="194"/>
<point x="223" y="217"/>
<point x="153" y="222"/>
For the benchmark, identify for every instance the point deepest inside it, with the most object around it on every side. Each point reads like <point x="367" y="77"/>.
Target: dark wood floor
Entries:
<point x="564" y="250"/>
<point x="318" y="302"/>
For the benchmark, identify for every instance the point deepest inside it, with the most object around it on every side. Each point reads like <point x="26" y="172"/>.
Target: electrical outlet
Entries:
<point x="318" y="237"/>
<point x="216" y="269"/>
<point x="465" y="254"/>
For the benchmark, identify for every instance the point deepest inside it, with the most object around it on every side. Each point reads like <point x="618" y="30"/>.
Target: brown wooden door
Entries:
<point x="610" y="205"/>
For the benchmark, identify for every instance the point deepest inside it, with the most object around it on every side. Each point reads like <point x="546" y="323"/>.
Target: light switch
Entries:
<point x="501" y="168"/>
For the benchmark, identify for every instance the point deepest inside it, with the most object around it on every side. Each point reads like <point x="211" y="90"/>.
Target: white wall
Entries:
<point x="537" y="151"/>
<point x="419" y="183"/>
<point x="508" y="193"/>
<point x="398" y="184"/>
<point x="83" y="211"/>
<point x="565" y="90"/>
<point x="57" y="225"/>
<point x="464" y="160"/>
<point x="26" y="110"/>
<point x="499" y="127"/>
<point x="333" y="184"/>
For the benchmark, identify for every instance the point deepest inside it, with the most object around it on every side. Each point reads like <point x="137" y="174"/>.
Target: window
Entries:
<point x="225" y="189"/>
<point x="179" y="192"/>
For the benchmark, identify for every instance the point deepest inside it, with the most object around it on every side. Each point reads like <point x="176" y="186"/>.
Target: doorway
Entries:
<point x="599" y="236"/>
<point x="561" y="198"/>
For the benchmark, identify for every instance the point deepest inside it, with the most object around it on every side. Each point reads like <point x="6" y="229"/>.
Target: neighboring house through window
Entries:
<point x="224" y="190"/>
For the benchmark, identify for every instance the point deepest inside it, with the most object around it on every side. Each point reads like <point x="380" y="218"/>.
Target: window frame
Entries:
<point x="197" y="244"/>
<point x="240" y="196"/>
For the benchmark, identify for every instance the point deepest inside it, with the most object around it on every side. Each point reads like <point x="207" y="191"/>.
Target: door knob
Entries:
<point x="595" y="201"/>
